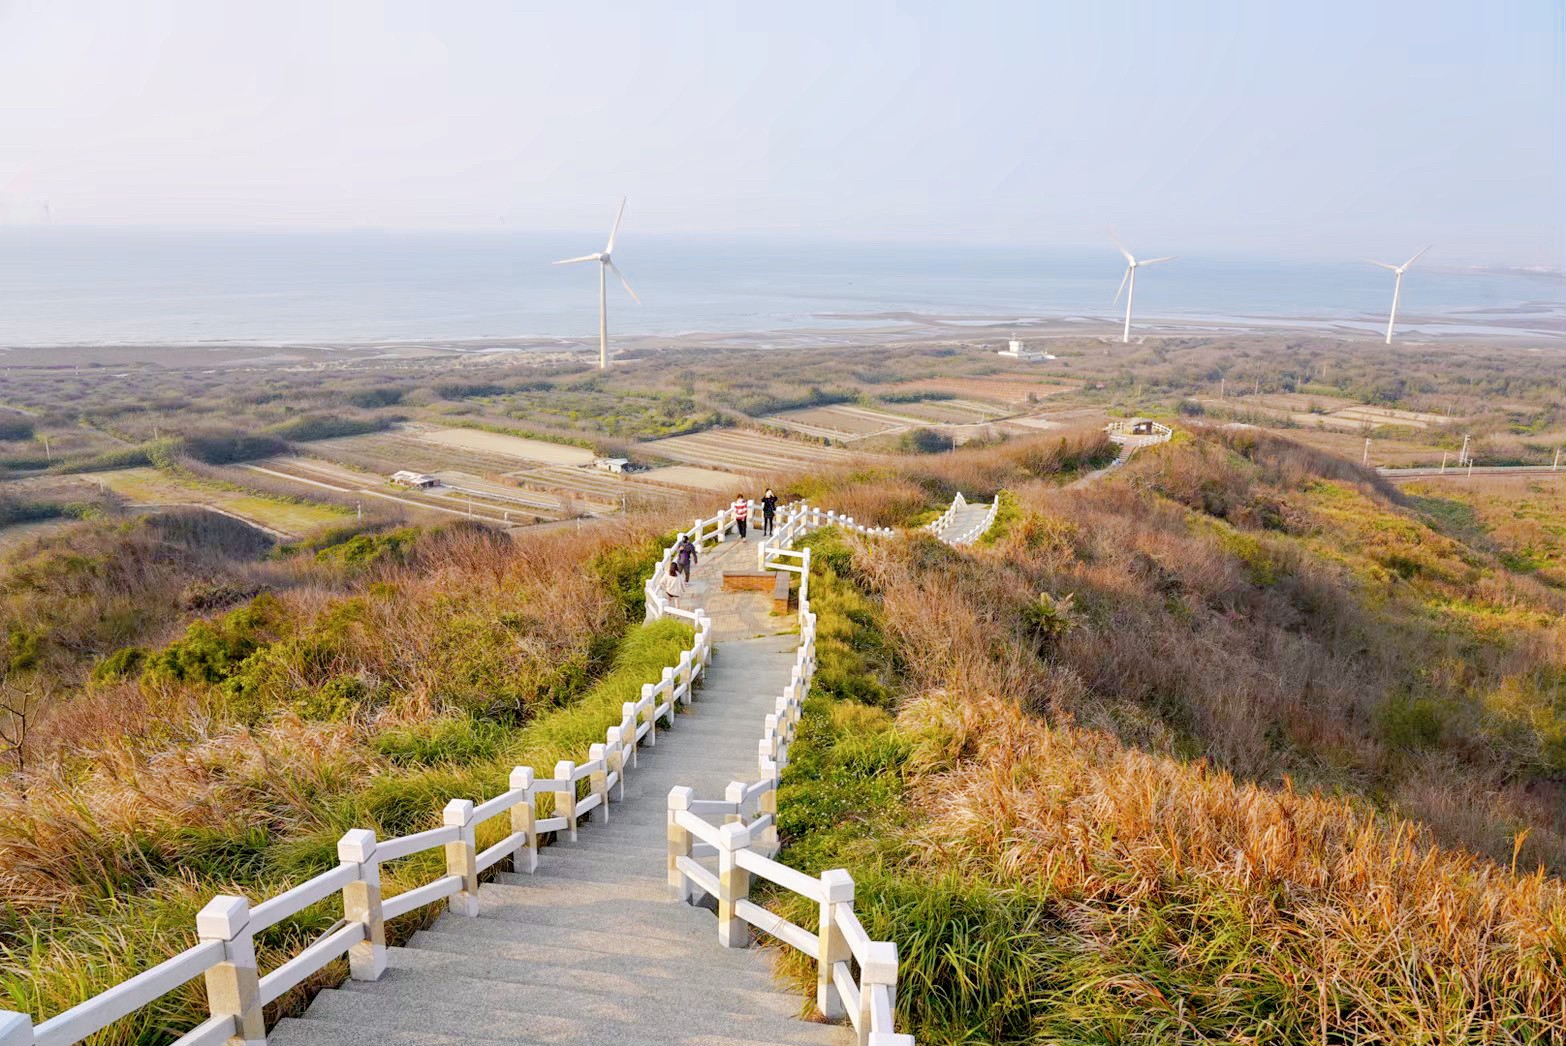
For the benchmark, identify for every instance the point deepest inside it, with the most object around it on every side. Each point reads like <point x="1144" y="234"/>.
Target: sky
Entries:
<point x="1335" y="128"/>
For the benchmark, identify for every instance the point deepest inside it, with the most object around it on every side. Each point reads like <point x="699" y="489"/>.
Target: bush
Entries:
<point x="326" y="426"/>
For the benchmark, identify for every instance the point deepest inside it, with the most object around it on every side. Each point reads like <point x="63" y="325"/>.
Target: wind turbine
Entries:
<point x="1397" y="287"/>
<point x="605" y="263"/>
<point x="1130" y="278"/>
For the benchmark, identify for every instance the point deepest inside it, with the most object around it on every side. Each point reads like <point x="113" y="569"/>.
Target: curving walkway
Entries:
<point x="588" y="948"/>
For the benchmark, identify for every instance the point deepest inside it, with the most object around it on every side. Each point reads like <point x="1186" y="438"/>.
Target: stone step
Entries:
<point x="752" y="975"/>
<point x="609" y="942"/>
<point x="614" y="985"/>
<point x="453" y="1003"/>
<point x="318" y="1031"/>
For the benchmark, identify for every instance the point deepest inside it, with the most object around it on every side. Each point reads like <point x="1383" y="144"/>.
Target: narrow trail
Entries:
<point x="588" y="948"/>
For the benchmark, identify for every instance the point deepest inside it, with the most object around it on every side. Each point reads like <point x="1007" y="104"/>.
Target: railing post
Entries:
<point x="649" y="702"/>
<point x="733" y="885"/>
<point x="735" y="793"/>
<point x="598" y="780"/>
<point x="16" y="1029"/>
<point x="696" y="538"/>
<point x="628" y="721"/>
<point x="687" y="676"/>
<point x="615" y="755"/>
<point x="362" y="904"/>
<point x="524" y="822"/>
<point x="233" y="985"/>
<point x="767" y="803"/>
<point x="679" y="842"/>
<point x="880" y="967"/>
<point x="462" y="856"/>
<point x="837" y="887"/>
<point x="565" y="802"/>
<point x="666" y="683"/>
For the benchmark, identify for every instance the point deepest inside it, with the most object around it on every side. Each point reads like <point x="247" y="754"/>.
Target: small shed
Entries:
<point x="417" y="480"/>
<point x="1140" y="427"/>
<point x="611" y="464"/>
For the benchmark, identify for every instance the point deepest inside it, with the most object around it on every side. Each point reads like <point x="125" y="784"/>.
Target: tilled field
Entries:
<point x="742" y="451"/>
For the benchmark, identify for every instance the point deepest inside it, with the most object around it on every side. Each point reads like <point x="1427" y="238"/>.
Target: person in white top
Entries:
<point x="673" y="587"/>
<point x="741" y="509"/>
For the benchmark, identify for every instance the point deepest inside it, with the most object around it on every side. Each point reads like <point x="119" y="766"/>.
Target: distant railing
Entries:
<point x="744" y="843"/>
<point x="938" y="525"/>
<point x="226" y="928"/>
<point x="980" y="528"/>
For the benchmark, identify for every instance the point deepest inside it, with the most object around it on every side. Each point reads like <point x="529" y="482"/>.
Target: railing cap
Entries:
<point x="680" y="797"/>
<point x="522" y="777"/>
<point x="356" y="846"/>
<point x="564" y="768"/>
<point x="735" y="792"/>
<point x="16" y="1029"/>
<point x="880" y="966"/>
<point x="223" y="918"/>
<point x="458" y="812"/>
<point x="733" y="836"/>
<point x="837" y="886"/>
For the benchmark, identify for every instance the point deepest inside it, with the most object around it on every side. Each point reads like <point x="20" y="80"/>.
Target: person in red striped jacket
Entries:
<point x="741" y="513"/>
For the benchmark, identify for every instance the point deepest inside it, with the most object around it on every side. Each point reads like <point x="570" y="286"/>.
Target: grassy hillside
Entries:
<point x="1237" y="745"/>
<point x="207" y="714"/>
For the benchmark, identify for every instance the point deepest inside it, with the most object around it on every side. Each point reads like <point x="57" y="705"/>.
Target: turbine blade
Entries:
<point x="1122" y="289"/>
<point x="1384" y="265"/>
<point x="616" y="230"/>
<point x="573" y="261"/>
<point x="1416" y="257"/>
<point x="1155" y="261"/>
<point x="615" y="269"/>
<point x="1115" y="239"/>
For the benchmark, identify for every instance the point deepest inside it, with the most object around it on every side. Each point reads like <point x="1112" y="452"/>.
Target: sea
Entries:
<point x="65" y="286"/>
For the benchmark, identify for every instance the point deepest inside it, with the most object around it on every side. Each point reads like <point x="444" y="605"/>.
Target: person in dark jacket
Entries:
<point x="769" y="509"/>
<point x="685" y="555"/>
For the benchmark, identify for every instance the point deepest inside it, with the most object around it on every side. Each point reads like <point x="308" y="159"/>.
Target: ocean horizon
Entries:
<point x="64" y="286"/>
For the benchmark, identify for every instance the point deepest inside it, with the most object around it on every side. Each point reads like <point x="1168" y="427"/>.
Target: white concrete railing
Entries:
<point x="980" y="528"/>
<point x="227" y="926"/>
<point x="743" y="847"/>
<point x="1118" y="433"/>
<point x="714" y="529"/>
<point x="938" y="525"/>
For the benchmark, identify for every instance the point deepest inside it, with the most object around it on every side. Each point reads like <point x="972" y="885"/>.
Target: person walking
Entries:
<point x="685" y="555"/>
<point x="673" y="588"/>
<point x="769" y="509"/>
<point x="741" y="509"/>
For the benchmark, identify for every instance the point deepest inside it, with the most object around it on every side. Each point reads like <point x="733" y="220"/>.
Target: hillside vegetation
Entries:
<point x="1234" y="746"/>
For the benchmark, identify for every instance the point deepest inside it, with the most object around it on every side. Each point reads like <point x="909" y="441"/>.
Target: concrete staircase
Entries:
<point x="963" y="521"/>
<point x="590" y="949"/>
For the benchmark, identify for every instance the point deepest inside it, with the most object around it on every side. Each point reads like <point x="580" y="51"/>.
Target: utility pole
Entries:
<point x="1557" y="463"/>
<point x="48" y="454"/>
<point x="1221" y="382"/>
<point x="1462" y="455"/>
<point x="1444" y="454"/>
<point x="1258" y="384"/>
<point x="1365" y="458"/>
<point x="358" y="509"/>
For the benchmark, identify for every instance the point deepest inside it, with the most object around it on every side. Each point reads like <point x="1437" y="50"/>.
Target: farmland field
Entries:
<point x="509" y="446"/>
<point x="149" y="486"/>
<point x="743" y="451"/>
<point x="842" y="422"/>
<point x="994" y="390"/>
<point x="691" y="477"/>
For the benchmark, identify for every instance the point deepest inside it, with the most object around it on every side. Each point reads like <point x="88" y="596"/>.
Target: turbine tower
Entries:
<point x="1130" y="278"/>
<point x="605" y="261"/>
<point x="1397" y="287"/>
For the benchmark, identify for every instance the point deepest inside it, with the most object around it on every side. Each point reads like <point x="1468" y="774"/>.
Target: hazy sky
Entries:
<point x="1333" y="127"/>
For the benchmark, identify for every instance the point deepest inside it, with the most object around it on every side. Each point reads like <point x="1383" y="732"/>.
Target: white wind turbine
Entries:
<point x="1397" y="287"/>
<point x="605" y="262"/>
<point x="1130" y="278"/>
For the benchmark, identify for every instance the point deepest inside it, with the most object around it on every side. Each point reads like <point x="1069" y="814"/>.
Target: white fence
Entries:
<point x="938" y="525"/>
<point x="226" y="927"/>
<point x="744" y="843"/>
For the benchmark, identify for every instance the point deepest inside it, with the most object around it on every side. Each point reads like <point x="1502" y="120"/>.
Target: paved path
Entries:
<point x="966" y="518"/>
<point x="591" y="949"/>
